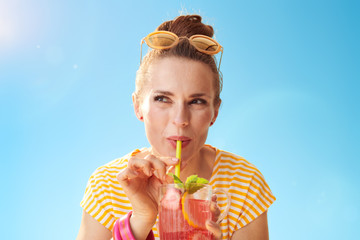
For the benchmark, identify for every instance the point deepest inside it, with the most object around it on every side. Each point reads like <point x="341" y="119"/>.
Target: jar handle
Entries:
<point x="228" y="197"/>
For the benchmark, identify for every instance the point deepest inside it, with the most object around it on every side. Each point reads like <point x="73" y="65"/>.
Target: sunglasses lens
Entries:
<point x="205" y="44"/>
<point x="161" y="40"/>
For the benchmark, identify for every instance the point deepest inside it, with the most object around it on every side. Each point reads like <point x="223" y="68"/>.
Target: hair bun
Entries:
<point x="187" y="25"/>
<point x="194" y="18"/>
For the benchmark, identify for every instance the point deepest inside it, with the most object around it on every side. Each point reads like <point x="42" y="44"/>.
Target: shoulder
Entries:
<point x="250" y="194"/>
<point x="242" y="179"/>
<point x="104" y="179"/>
<point x="235" y="171"/>
<point x="104" y="199"/>
<point x="111" y="169"/>
<point x="232" y="164"/>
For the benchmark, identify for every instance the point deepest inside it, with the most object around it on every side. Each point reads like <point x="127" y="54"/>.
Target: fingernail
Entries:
<point x="174" y="159"/>
<point x="156" y="173"/>
<point x="214" y="197"/>
<point x="169" y="170"/>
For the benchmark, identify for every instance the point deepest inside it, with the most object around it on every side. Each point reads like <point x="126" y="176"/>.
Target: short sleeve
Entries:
<point x="249" y="192"/>
<point x="97" y="200"/>
<point x="104" y="199"/>
<point x="258" y="198"/>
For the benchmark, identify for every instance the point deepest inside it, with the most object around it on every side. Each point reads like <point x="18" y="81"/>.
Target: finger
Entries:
<point x="126" y="175"/>
<point x="141" y="165"/>
<point x="169" y="179"/>
<point x="161" y="163"/>
<point x="156" y="173"/>
<point x="214" y="208"/>
<point x="158" y="166"/>
<point x="214" y="228"/>
<point x="214" y="197"/>
<point x="169" y="161"/>
<point x="170" y="169"/>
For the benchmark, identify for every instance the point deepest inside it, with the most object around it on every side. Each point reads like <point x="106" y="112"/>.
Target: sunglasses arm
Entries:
<point x="222" y="51"/>
<point x="141" y="43"/>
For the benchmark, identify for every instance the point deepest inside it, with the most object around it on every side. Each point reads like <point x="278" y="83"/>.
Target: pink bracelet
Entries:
<point x="116" y="232"/>
<point x="122" y="230"/>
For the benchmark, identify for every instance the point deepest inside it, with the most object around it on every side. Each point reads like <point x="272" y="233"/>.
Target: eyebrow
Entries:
<point x="167" y="93"/>
<point x="164" y="92"/>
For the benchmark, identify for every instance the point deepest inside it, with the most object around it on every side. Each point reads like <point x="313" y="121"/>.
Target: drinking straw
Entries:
<point x="178" y="156"/>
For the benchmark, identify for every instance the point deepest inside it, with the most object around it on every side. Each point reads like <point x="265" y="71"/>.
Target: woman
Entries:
<point x="177" y="97"/>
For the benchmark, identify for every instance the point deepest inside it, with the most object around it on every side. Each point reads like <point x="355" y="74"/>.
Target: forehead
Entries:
<point x="180" y="75"/>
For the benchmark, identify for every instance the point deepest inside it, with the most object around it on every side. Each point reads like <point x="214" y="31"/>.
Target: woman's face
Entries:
<point x="177" y="104"/>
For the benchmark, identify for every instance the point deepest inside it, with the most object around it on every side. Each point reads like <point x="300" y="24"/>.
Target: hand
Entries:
<point x="141" y="180"/>
<point x="211" y="225"/>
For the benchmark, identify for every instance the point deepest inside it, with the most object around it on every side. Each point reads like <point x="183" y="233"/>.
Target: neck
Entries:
<point x="201" y="164"/>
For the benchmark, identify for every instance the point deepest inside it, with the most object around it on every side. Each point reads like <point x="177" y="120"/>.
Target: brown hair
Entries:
<point x="187" y="26"/>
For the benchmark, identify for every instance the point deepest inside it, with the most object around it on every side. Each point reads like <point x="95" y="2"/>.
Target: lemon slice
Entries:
<point x="195" y="211"/>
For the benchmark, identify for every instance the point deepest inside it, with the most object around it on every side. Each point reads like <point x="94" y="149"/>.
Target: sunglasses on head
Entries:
<point x="166" y="40"/>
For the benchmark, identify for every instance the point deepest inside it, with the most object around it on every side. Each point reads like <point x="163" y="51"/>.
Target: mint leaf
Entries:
<point x="202" y="180"/>
<point x="177" y="180"/>
<point x="191" y="179"/>
<point x="194" y="183"/>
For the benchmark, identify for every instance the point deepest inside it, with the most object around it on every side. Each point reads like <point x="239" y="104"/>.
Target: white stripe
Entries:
<point x="236" y="182"/>
<point x="237" y="163"/>
<point x="236" y="216"/>
<point x="238" y="189"/>
<point x="112" y="220"/>
<point x="106" y="178"/>
<point x="243" y="222"/>
<point x="226" y="176"/>
<point x="262" y="201"/>
<point x="90" y="197"/>
<point x="233" y="223"/>
<point x="112" y="170"/>
<point x="100" y="214"/>
<point x="236" y="159"/>
<point x="94" y="211"/>
<point x="110" y="187"/>
<point x="104" y="201"/>
<point x="242" y="169"/>
<point x="232" y="173"/>
<point x="235" y="201"/>
<point x="98" y="189"/>
<point x="260" y="195"/>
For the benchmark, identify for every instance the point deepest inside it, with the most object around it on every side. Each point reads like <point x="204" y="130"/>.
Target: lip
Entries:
<point x="181" y="138"/>
<point x="185" y="141"/>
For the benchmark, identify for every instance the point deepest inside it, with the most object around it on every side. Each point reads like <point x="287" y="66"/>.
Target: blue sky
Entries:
<point x="290" y="105"/>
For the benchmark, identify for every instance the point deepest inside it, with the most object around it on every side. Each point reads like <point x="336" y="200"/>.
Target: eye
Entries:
<point x="198" y="101"/>
<point x="161" y="98"/>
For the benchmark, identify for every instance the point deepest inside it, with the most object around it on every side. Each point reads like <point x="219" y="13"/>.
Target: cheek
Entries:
<point x="155" y="118"/>
<point x="154" y="113"/>
<point x="202" y="120"/>
<point x="206" y="116"/>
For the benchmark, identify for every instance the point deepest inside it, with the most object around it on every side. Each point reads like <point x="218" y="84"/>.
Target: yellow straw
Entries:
<point x="178" y="156"/>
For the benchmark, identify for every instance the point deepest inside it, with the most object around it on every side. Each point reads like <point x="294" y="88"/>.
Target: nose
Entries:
<point x="181" y="116"/>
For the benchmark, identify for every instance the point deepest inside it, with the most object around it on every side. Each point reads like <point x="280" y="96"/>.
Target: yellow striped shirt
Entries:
<point x="105" y="200"/>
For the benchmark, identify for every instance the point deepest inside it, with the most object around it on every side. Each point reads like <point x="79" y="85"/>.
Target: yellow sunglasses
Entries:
<point x="165" y="40"/>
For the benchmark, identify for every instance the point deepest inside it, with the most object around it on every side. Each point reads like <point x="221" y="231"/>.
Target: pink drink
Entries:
<point x="172" y="223"/>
